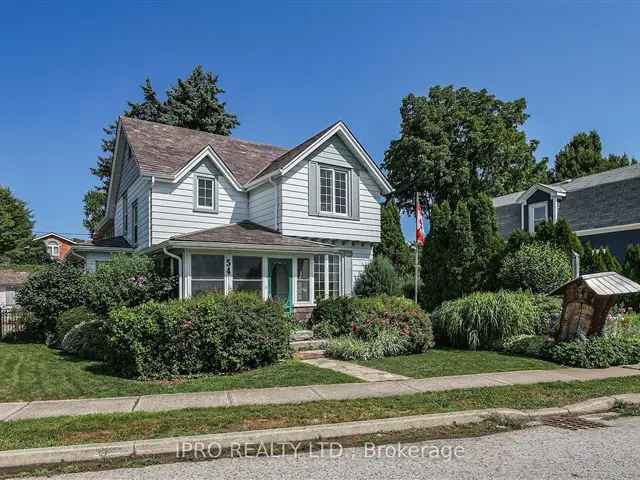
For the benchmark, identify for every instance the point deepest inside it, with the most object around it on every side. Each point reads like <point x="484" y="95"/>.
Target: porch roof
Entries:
<point x="247" y="235"/>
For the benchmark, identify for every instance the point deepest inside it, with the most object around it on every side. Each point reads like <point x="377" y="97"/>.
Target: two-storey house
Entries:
<point x="293" y="224"/>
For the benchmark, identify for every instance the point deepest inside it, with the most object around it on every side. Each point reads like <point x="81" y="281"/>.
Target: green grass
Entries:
<point x="35" y="372"/>
<point x="130" y="426"/>
<point x="443" y="362"/>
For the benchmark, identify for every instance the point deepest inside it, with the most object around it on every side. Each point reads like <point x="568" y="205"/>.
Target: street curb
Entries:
<point x="164" y="446"/>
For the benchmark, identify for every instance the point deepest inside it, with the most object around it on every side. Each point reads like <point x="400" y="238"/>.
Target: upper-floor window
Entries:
<point x="53" y="249"/>
<point x="205" y="192"/>
<point x="537" y="214"/>
<point x="134" y="221"/>
<point x="334" y="191"/>
<point x="125" y="214"/>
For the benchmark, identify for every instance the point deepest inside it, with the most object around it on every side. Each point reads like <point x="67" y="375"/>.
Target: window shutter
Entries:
<point x="355" y="195"/>
<point x="348" y="275"/>
<point x="216" y="195"/>
<point x="313" y="188"/>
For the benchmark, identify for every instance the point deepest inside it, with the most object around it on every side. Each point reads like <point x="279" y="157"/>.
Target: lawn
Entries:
<point x="131" y="426"/>
<point x="444" y="362"/>
<point x="35" y="372"/>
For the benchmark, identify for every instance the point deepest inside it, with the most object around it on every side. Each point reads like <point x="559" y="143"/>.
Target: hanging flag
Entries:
<point x="420" y="236"/>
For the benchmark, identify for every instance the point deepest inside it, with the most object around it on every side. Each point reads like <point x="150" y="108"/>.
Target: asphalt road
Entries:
<point x="536" y="453"/>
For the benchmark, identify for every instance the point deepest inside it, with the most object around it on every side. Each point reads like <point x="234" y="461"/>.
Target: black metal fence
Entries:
<point x="13" y="321"/>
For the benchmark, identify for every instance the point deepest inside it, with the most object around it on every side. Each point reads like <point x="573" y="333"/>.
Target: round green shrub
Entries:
<point x="538" y="267"/>
<point x="51" y="290"/>
<point x="125" y="281"/>
<point x="69" y="319"/>
<point x="367" y="317"/>
<point x="206" y="334"/>
<point x="484" y="320"/>
<point x="378" y="278"/>
<point x="527" y="345"/>
<point x="86" y="340"/>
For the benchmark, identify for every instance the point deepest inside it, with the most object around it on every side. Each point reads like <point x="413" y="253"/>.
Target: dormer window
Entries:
<point x="538" y="213"/>
<point x="333" y="190"/>
<point x="204" y="194"/>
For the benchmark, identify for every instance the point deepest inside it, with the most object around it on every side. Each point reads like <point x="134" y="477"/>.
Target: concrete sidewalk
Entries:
<point x="311" y="393"/>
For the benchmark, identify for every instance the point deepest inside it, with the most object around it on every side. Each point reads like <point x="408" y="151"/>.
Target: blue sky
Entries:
<point x="290" y="69"/>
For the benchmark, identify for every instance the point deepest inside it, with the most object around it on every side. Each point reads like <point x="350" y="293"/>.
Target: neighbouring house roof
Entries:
<point x="114" y="244"/>
<point x="248" y="234"/>
<point x="58" y="236"/>
<point x="13" y="278"/>
<point x="604" y="283"/>
<point x="164" y="150"/>
<point x="580" y="183"/>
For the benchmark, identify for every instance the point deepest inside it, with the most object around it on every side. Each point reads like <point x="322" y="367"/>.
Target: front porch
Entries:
<point x="250" y="257"/>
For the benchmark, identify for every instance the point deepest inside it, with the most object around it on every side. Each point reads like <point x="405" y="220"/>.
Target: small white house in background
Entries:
<point x="293" y="224"/>
<point x="10" y="281"/>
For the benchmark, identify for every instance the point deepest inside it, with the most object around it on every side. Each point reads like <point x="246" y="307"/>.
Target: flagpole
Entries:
<point x="415" y="290"/>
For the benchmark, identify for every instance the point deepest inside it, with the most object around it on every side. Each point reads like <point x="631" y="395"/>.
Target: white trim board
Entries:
<point x="614" y="228"/>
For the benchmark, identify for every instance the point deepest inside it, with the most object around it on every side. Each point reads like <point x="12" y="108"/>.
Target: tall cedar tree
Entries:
<point x="17" y="244"/>
<point x="583" y="156"/>
<point x="631" y="270"/>
<point x="457" y="143"/>
<point x="561" y="235"/>
<point x="191" y="103"/>
<point x="392" y="244"/>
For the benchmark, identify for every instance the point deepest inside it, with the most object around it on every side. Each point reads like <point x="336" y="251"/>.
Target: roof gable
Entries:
<point x="57" y="236"/>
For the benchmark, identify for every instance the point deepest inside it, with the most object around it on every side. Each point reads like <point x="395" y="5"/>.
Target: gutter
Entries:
<point x="149" y="231"/>
<point x="179" y="259"/>
<point x="242" y="247"/>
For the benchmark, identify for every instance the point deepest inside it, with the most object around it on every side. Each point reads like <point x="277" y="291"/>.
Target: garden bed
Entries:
<point x="444" y="362"/>
<point x="35" y="372"/>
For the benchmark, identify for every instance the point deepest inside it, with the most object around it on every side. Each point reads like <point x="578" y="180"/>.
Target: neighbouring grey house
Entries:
<point x="603" y="209"/>
<point x="10" y="281"/>
<point x="295" y="224"/>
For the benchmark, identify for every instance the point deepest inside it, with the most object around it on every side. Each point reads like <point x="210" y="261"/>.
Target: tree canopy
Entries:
<point x="457" y="143"/>
<point x="583" y="156"/>
<point x="192" y="103"/>
<point x="392" y="244"/>
<point x="17" y="244"/>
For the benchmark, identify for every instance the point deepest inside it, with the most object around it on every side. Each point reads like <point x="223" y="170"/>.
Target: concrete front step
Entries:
<point x="304" y="345"/>
<point x="308" y="354"/>
<point x="301" y="335"/>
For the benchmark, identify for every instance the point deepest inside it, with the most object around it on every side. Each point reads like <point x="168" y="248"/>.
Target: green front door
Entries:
<point x="281" y="281"/>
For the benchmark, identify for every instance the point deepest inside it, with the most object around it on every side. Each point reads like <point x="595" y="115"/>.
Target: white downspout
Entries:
<point x="149" y="231"/>
<point x="179" y="259"/>
<point x="275" y="202"/>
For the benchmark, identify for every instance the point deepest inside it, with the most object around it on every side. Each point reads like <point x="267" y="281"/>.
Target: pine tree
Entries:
<point x="595" y="260"/>
<point x="488" y="242"/>
<point x="561" y="235"/>
<point x="463" y="252"/>
<point x="193" y="103"/>
<point x="392" y="244"/>
<point x="17" y="244"/>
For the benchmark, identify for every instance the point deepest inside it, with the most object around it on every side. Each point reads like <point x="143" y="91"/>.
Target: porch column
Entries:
<point x="186" y="274"/>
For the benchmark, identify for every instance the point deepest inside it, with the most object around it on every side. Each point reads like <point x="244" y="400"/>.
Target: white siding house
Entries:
<point x="294" y="224"/>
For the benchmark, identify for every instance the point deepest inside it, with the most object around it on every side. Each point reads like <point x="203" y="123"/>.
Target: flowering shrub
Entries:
<point x="369" y="318"/>
<point x="125" y="281"/>
<point x="206" y="334"/>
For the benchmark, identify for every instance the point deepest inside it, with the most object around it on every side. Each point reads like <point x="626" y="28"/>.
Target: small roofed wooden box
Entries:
<point x="587" y="302"/>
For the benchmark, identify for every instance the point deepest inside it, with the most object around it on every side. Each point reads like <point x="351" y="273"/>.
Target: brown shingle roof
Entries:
<point x="115" y="242"/>
<point x="164" y="150"/>
<point x="246" y="233"/>
<point x="13" y="277"/>
<point x="293" y="153"/>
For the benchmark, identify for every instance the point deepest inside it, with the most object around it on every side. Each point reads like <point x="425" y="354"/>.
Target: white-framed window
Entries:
<point x="207" y="273"/>
<point x="204" y="193"/>
<point x="125" y="214"/>
<point x="247" y="274"/>
<point x="326" y="276"/>
<point x="53" y="249"/>
<point x="134" y="221"/>
<point x="303" y="280"/>
<point x="334" y="190"/>
<point x="538" y="213"/>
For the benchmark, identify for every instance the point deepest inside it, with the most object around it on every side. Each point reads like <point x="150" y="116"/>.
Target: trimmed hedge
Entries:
<point x="596" y="352"/>
<point x="485" y="320"/>
<point x="206" y="334"/>
<point x="366" y="318"/>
